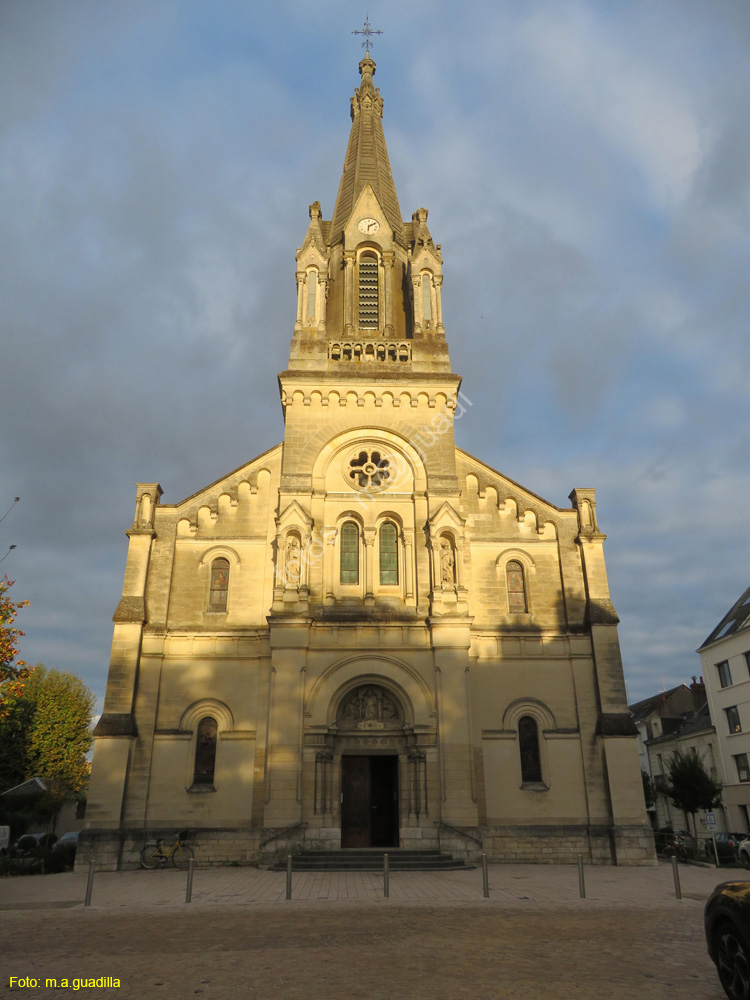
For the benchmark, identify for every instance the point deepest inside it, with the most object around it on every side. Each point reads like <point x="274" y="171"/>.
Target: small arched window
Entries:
<point x="369" y="301"/>
<point x="312" y="288"/>
<point x="388" y="554"/>
<point x="528" y="745"/>
<point x="516" y="588"/>
<point x="349" y="553"/>
<point x="205" y="752"/>
<point x="426" y="297"/>
<point x="219" y="585"/>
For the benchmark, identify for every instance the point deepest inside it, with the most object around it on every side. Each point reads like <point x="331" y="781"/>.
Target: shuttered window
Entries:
<point x="368" y="292"/>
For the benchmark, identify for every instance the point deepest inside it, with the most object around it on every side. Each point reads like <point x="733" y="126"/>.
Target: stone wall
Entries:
<point x="120" y="850"/>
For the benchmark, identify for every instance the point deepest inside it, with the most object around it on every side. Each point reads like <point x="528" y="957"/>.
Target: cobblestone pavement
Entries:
<point x="435" y="937"/>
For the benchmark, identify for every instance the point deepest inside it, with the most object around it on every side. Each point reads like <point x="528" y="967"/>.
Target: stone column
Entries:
<point x="388" y="261"/>
<point x="416" y="289"/>
<point x="301" y="278"/>
<point x="450" y="641"/>
<point x="349" y="260"/>
<point x="322" y="302"/>
<point x="438" y="282"/>
<point x="369" y="538"/>
<point x="329" y="565"/>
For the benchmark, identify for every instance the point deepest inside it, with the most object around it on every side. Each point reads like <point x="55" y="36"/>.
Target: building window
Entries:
<point x="528" y="744"/>
<point x="219" y="585"/>
<point x="349" y="553"/>
<point x="369" y="306"/>
<point x="516" y="588"/>
<point x="743" y="770"/>
<point x="312" y="288"/>
<point x="725" y="676"/>
<point x="388" y="554"/>
<point x="205" y="752"/>
<point x="747" y="660"/>
<point x="426" y="297"/>
<point x="733" y="719"/>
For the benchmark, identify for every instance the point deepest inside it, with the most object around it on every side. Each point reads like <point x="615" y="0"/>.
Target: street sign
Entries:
<point x="710" y="819"/>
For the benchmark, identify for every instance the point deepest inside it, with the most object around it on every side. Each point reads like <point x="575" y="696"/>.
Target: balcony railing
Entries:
<point x="373" y="351"/>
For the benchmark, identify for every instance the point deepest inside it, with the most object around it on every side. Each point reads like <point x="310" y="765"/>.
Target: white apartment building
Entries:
<point x="725" y="659"/>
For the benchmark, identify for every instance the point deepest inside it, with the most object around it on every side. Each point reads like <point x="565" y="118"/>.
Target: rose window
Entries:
<point x="370" y="470"/>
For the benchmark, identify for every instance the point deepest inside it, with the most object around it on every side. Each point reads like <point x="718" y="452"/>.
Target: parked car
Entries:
<point x="27" y="845"/>
<point x="66" y="847"/>
<point x="744" y="851"/>
<point x="727" y="846"/>
<point x="726" y="920"/>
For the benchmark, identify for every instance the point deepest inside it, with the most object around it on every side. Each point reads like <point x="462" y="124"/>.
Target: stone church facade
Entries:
<point x="367" y="636"/>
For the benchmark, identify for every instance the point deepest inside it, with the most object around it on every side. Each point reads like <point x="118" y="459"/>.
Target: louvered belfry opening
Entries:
<point x="368" y="292"/>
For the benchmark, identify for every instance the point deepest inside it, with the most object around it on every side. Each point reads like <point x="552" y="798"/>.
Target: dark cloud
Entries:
<point x="585" y="170"/>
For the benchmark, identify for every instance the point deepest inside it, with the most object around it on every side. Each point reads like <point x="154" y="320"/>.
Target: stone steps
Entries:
<point x="370" y="859"/>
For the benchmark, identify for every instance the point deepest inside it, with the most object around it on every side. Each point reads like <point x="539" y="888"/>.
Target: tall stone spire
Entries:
<point x="366" y="157"/>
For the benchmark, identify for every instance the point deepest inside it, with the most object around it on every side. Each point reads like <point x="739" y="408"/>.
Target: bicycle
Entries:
<point x="155" y="856"/>
<point x="675" y="850"/>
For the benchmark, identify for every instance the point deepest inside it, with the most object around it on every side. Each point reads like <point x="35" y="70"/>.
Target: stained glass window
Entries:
<point x="205" y="752"/>
<point x="349" y="553"/>
<point x="528" y="743"/>
<point x="388" y="554"/>
<point x="219" y="585"/>
<point x="516" y="588"/>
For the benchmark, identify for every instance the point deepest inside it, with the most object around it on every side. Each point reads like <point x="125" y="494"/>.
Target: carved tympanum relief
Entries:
<point x="369" y="707"/>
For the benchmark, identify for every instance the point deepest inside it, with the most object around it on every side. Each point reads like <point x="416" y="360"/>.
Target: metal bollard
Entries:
<point x="676" y="873"/>
<point x="89" y="884"/>
<point x="288" y="876"/>
<point x="386" y="877"/>
<point x="485" y="877"/>
<point x="189" y="890"/>
<point x="581" y="883"/>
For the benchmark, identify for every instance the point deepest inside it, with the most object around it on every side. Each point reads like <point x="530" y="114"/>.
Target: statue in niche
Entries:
<point x="447" y="564"/>
<point x="292" y="564"/>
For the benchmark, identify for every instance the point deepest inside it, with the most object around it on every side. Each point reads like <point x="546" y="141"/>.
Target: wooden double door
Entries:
<point x="369" y="801"/>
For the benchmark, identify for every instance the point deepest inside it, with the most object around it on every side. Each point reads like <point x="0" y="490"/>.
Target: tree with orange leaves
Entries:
<point x="13" y="672"/>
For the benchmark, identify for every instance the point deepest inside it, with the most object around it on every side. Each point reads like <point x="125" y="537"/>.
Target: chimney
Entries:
<point x="698" y="691"/>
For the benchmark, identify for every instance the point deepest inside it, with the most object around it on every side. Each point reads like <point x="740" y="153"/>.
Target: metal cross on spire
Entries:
<point x="367" y="30"/>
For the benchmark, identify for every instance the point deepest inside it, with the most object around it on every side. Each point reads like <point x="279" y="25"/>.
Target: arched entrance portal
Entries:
<point x="370" y="726"/>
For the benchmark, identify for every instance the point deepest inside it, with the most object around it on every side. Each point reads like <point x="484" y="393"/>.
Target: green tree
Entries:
<point x="13" y="672"/>
<point x="49" y="728"/>
<point x="689" y="785"/>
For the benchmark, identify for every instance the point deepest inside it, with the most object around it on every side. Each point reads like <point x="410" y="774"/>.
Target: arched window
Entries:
<point x="388" y="554"/>
<point x="516" y="588"/>
<point x="528" y="745"/>
<point x="426" y="297"/>
<point x="219" y="585"/>
<point x="205" y="752"/>
<point x="349" y="553"/>
<point x="312" y="288"/>
<point x="369" y="305"/>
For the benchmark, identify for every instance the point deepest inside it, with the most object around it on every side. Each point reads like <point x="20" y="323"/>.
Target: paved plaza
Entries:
<point x="436" y="936"/>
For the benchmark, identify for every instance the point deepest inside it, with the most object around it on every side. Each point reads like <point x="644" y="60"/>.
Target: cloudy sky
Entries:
<point x="587" y="170"/>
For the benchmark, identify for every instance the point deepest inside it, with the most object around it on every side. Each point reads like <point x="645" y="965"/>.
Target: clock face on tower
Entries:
<point x="368" y="226"/>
